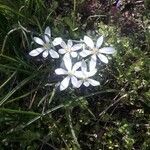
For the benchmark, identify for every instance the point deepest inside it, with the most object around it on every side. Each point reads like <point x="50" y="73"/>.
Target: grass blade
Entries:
<point x="16" y="88"/>
<point x="46" y="113"/>
<point x="8" y="80"/>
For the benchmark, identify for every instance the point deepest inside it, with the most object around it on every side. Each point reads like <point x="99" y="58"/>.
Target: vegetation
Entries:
<point x="36" y="115"/>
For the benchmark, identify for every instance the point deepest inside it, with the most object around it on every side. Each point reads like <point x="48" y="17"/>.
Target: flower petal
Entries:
<point x="47" y="34"/>
<point x="53" y="53"/>
<point x="79" y="83"/>
<point x="76" y="66"/>
<point x="67" y="61"/>
<point x="74" y="54"/>
<point x="107" y="50"/>
<point x="62" y="51"/>
<point x="93" y="82"/>
<point x="63" y="45"/>
<point x="89" y="42"/>
<point x="103" y="58"/>
<point x="74" y="81"/>
<point x="36" y="52"/>
<point x="76" y="47"/>
<point x="60" y="71"/>
<point x="69" y="43"/>
<point x="91" y="73"/>
<point x="92" y="63"/>
<point x="57" y="41"/>
<point x="38" y="41"/>
<point x="79" y="74"/>
<point x="83" y="66"/>
<point x="85" y="53"/>
<point x="86" y="83"/>
<point x="99" y="41"/>
<point x="45" y="53"/>
<point x="48" y="31"/>
<point x="65" y="83"/>
<point x="47" y="40"/>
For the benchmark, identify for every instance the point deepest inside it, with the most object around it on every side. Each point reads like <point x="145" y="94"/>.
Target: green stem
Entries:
<point x="72" y="130"/>
<point x="5" y="110"/>
<point x="74" y="12"/>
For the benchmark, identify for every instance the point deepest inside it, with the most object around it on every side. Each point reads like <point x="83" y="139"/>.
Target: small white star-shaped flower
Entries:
<point x="85" y="76"/>
<point x="69" y="48"/>
<point x="45" y="48"/>
<point x="70" y="71"/>
<point x="95" y="51"/>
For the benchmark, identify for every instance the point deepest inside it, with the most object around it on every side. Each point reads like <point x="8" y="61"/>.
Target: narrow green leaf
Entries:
<point x="5" y="110"/>
<point x="46" y="113"/>
<point x="8" y="80"/>
<point x="20" y="97"/>
<point x="16" y="88"/>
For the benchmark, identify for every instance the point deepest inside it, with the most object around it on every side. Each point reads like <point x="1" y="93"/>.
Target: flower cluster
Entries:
<point x="79" y="58"/>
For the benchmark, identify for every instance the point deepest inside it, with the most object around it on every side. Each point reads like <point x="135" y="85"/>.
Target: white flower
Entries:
<point x="45" y="48"/>
<point x="70" y="72"/>
<point x="69" y="48"/>
<point x="95" y="51"/>
<point x="85" y="75"/>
